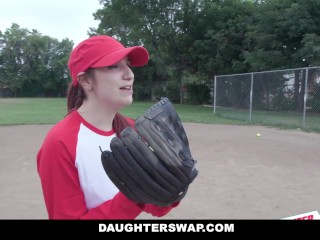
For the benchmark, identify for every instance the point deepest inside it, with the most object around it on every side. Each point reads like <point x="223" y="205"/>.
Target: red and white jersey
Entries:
<point x="74" y="183"/>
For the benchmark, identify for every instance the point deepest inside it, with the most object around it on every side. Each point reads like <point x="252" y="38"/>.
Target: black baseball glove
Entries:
<point x="153" y="163"/>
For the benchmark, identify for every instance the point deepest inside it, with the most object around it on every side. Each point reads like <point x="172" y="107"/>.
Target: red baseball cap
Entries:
<point x="102" y="51"/>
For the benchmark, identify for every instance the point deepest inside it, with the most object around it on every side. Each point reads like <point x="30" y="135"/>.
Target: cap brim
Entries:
<point x="138" y="56"/>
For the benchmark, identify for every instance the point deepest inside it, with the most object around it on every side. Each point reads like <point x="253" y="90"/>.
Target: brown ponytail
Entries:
<point x="75" y="97"/>
<point x="76" y="94"/>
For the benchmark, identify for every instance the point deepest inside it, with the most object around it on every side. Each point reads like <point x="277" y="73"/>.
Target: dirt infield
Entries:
<point x="241" y="176"/>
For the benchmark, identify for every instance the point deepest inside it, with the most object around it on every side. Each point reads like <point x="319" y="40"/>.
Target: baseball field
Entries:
<point x="242" y="175"/>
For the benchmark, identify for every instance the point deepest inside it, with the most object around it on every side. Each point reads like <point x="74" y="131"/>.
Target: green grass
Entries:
<point x="18" y="111"/>
<point x="187" y="113"/>
<point x="289" y="120"/>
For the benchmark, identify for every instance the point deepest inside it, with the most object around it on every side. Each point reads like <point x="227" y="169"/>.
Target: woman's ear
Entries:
<point x="85" y="82"/>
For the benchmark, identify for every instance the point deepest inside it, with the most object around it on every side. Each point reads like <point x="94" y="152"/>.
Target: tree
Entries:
<point x="220" y="42"/>
<point x="12" y="52"/>
<point x="161" y="26"/>
<point x="213" y="37"/>
<point x="32" y="64"/>
<point x="282" y="37"/>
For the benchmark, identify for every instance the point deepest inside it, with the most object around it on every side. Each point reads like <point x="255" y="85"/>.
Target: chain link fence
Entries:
<point x="287" y="98"/>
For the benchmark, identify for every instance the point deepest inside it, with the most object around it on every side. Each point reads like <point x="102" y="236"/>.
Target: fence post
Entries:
<point x="214" y="95"/>
<point x="305" y="98"/>
<point x="251" y="93"/>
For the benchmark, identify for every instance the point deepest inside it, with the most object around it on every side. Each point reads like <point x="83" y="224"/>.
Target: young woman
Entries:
<point x="74" y="183"/>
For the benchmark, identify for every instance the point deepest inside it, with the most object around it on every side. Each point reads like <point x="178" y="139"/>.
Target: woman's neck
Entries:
<point x="97" y="115"/>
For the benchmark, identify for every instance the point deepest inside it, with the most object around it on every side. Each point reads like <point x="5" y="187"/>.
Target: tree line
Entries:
<point x="189" y="41"/>
<point x="32" y="64"/>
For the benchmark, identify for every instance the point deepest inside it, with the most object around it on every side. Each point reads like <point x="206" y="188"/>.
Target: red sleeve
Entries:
<point x="131" y="122"/>
<point x="62" y="191"/>
<point x="158" y="211"/>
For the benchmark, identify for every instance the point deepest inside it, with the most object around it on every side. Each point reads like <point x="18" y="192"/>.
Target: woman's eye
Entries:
<point x="118" y="66"/>
<point x="113" y="66"/>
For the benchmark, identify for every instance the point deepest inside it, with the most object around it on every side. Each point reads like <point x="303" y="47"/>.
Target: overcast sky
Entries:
<point x="55" y="18"/>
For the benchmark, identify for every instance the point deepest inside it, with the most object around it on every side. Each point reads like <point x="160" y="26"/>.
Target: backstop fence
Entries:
<point x="287" y="98"/>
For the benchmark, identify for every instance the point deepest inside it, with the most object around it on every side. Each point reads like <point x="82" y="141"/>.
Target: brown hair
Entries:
<point x="76" y="95"/>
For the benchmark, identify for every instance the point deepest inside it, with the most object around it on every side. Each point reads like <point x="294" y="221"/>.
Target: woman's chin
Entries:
<point x="125" y="102"/>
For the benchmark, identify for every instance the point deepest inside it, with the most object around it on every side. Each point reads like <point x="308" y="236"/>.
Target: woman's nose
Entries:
<point x="128" y="74"/>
